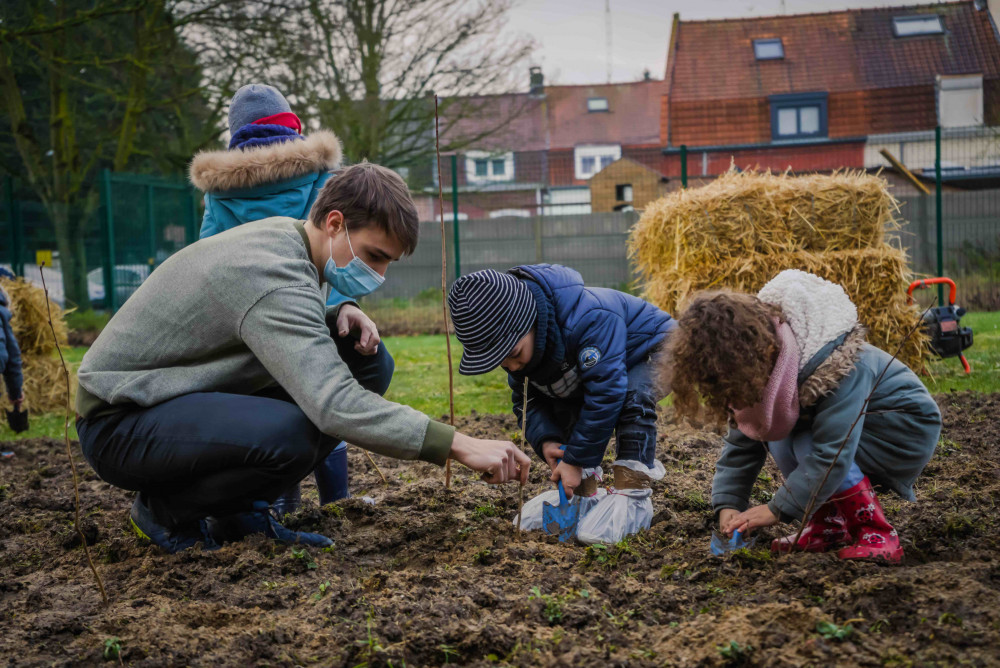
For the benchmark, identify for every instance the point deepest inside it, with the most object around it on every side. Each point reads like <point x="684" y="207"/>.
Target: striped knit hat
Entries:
<point x="491" y="312"/>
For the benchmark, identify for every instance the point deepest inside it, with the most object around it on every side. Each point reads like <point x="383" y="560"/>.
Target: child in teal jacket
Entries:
<point x="271" y="169"/>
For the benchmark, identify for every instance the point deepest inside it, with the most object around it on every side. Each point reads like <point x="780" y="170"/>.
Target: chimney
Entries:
<point x="537" y="81"/>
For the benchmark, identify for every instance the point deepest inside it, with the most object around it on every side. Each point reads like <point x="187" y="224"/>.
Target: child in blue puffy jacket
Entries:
<point x="588" y="356"/>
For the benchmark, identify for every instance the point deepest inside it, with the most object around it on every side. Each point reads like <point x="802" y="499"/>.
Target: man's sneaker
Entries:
<point x="171" y="540"/>
<point x="260" y="520"/>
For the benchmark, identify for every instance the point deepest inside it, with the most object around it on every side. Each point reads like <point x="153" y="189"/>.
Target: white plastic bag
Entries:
<point x="531" y="513"/>
<point x="622" y="512"/>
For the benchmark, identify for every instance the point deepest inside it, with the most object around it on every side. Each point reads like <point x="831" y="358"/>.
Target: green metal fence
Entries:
<point x="138" y="222"/>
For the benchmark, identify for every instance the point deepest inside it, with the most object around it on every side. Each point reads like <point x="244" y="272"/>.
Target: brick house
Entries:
<point x="824" y="91"/>
<point x="541" y="148"/>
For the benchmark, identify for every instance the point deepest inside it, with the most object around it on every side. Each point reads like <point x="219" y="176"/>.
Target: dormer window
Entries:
<point x="768" y="49"/>
<point x="597" y="104"/>
<point x="911" y="26"/>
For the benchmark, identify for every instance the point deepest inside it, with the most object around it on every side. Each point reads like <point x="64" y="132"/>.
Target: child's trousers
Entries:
<point x="793" y="449"/>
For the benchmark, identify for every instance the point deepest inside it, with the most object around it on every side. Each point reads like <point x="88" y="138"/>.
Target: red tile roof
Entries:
<point x="833" y="52"/>
<point x="560" y="119"/>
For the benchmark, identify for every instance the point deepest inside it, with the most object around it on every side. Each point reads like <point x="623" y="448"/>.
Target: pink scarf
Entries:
<point x="775" y="416"/>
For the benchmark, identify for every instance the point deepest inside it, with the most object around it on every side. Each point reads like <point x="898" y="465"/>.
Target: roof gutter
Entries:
<point x="674" y="150"/>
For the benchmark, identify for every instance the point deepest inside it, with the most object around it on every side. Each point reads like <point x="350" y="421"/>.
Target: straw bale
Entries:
<point x="875" y="279"/>
<point x="44" y="385"/>
<point x="751" y="212"/>
<point x="30" y="322"/>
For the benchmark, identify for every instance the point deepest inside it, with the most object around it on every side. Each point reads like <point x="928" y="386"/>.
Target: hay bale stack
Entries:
<point x="739" y="231"/>
<point x="44" y="385"/>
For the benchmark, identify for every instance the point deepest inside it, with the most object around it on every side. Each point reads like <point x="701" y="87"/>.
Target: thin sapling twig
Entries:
<point x="377" y="469"/>
<point x="524" y="439"/>
<point x="444" y="287"/>
<point x="69" y="450"/>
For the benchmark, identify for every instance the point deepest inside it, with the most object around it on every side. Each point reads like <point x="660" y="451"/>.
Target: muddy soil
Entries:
<point x="430" y="577"/>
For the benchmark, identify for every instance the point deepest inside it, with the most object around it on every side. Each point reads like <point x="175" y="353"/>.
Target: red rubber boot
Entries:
<point x="825" y="531"/>
<point x="874" y="537"/>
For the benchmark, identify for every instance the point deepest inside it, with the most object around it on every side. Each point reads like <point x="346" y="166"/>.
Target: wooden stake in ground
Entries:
<point x="524" y="428"/>
<point x="69" y="450"/>
<point x="444" y="287"/>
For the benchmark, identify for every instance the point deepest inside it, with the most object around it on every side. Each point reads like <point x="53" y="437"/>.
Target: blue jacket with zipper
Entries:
<point x="592" y="337"/>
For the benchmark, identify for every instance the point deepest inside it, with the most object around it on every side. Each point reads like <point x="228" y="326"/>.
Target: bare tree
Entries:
<point x="366" y="68"/>
<point x="86" y="85"/>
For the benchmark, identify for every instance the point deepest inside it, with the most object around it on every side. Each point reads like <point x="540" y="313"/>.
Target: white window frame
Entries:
<point x="510" y="213"/>
<point x="956" y="92"/>
<point x="470" y="167"/>
<point x="761" y="45"/>
<point x="917" y="25"/>
<point x="596" y="151"/>
<point x="597" y="104"/>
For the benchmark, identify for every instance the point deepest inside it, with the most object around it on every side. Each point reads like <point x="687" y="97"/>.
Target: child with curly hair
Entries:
<point x="790" y="370"/>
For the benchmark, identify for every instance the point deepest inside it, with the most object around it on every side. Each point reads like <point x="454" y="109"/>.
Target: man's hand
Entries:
<point x="748" y="520"/>
<point x="552" y="452"/>
<point x="498" y="461"/>
<point x="570" y="476"/>
<point x="352" y="320"/>
<point x="18" y="403"/>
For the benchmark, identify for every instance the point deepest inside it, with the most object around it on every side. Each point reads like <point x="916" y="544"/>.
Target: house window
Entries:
<point x="597" y="104"/>
<point x="960" y="101"/>
<point x="910" y="26"/>
<point x="798" y="116"/>
<point x="591" y="159"/>
<point x="768" y="49"/>
<point x="623" y="192"/>
<point x="486" y="167"/>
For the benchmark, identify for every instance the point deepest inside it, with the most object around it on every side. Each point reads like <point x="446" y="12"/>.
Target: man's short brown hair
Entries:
<point x="369" y="194"/>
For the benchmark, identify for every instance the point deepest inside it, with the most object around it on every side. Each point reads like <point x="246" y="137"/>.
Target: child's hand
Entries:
<point x="570" y="476"/>
<point x="553" y="452"/>
<point x="725" y="516"/>
<point x="748" y="520"/>
<point x="351" y="319"/>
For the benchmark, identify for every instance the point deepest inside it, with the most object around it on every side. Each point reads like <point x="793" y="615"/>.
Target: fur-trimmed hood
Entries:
<point x="825" y="324"/>
<point x="221" y="171"/>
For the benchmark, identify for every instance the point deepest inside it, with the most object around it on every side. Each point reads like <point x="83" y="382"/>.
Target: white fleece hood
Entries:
<point x="817" y="310"/>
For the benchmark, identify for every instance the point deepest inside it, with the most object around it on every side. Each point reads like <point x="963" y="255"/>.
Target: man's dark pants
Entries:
<point x="214" y="453"/>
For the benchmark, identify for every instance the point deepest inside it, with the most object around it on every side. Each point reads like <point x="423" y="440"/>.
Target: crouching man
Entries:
<point x="218" y="386"/>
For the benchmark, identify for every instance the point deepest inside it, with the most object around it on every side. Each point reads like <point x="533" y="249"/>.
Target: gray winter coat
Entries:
<point x="891" y="443"/>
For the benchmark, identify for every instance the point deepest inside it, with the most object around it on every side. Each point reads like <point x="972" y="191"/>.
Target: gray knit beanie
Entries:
<point x="253" y="102"/>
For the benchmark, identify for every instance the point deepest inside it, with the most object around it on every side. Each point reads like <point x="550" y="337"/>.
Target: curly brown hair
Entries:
<point x="721" y="353"/>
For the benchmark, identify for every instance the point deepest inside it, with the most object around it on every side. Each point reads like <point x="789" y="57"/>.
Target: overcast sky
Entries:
<point x="571" y="33"/>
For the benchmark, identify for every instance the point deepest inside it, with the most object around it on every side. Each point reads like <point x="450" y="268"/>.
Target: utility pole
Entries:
<point x="607" y="33"/>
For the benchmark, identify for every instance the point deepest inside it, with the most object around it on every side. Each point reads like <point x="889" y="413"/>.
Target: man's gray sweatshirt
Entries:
<point x="239" y="312"/>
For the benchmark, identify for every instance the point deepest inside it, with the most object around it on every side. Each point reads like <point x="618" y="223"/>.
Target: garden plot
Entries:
<point x="431" y="577"/>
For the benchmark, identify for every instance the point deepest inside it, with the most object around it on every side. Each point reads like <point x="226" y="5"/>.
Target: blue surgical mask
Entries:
<point x="355" y="280"/>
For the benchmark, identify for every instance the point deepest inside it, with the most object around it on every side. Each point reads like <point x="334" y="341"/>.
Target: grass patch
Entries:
<point x="421" y="377"/>
<point x="984" y="357"/>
